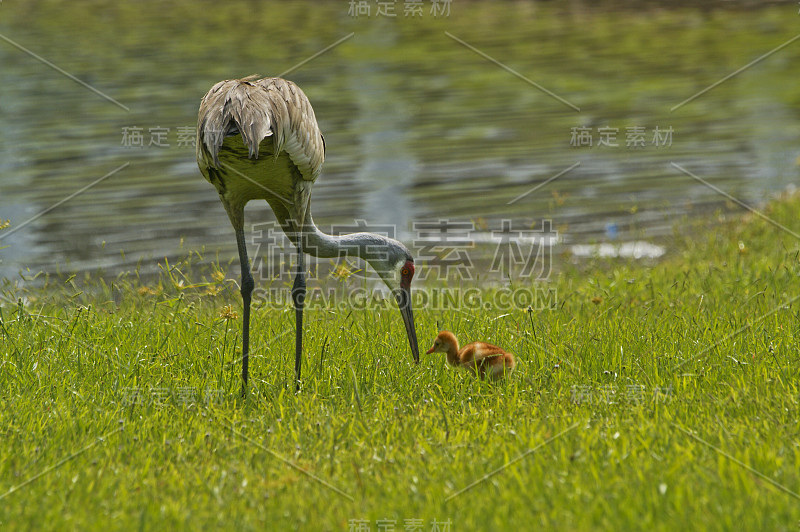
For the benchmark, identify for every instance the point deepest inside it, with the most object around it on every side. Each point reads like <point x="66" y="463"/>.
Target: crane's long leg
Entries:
<point x="299" y="297"/>
<point x="247" y="291"/>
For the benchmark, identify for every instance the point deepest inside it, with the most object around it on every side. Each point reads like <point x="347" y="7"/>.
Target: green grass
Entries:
<point x="652" y="397"/>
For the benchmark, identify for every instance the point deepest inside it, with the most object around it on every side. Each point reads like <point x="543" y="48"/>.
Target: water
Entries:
<point x="418" y="126"/>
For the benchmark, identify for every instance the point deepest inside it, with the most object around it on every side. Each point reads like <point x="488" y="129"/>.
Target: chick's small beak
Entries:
<point x="429" y="351"/>
<point x="403" y="296"/>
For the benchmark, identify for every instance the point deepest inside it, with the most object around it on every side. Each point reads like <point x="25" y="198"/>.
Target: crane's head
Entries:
<point x="395" y="265"/>
<point x="444" y="341"/>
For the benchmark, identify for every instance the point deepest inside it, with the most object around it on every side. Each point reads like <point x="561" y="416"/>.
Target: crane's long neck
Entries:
<point x="367" y="246"/>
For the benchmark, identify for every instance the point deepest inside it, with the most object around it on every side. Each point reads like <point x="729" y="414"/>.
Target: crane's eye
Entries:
<point x="405" y="271"/>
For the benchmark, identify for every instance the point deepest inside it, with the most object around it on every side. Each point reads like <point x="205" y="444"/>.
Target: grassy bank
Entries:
<point x="655" y="397"/>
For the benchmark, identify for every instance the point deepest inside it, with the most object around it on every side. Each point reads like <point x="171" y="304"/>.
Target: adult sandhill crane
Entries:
<point x="259" y="139"/>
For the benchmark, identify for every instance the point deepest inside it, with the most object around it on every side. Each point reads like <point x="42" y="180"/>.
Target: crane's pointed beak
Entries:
<point x="403" y="297"/>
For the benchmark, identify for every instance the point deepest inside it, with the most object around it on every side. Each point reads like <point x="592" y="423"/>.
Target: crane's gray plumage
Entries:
<point x="242" y="119"/>
<point x="259" y="139"/>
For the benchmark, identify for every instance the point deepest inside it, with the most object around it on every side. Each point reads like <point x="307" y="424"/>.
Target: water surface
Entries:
<point x="418" y="126"/>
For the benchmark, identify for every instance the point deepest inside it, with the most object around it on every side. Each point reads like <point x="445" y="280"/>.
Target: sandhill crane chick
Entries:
<point x="480" y="358"/>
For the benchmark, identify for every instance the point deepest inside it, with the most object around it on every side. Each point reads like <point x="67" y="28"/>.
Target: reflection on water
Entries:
<point x="634" y="250"/>
<point x="418" y="127"/>
<point x="388" y="166"/>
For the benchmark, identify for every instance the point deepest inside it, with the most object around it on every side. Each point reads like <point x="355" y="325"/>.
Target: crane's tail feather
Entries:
<point x="228" y="109"/>
<point x="257" y="109"/>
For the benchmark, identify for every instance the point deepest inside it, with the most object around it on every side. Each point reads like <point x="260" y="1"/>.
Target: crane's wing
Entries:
<point x="257" y="109"/>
